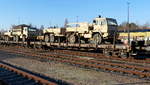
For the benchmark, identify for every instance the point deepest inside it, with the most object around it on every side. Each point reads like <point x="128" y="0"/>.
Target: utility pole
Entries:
<point x="77" y="18"/>
<point x="66" y="22"/>
<point x="19" y="20"/>
<point x="77" y="23"/>
<point x="128" y="22"/>
<point x="50" y="23"/>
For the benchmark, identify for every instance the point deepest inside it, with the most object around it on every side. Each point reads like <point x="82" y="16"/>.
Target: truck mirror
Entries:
<point x="94" y="21"/>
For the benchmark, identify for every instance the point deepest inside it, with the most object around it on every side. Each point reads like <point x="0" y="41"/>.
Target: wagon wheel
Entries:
<point x="52" y="38"/>
<point x="72" y="39"/>
<point x="105" y="52"/>
<point x="97" y="39"/>
<point x="46" y="38"/>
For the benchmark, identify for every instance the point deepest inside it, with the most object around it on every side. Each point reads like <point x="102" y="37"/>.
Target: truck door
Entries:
<point x="25" y="31"/>
<point x="100" y="26"/>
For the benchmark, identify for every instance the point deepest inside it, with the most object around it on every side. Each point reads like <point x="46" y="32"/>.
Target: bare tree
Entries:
<point x="66" y="22"/>
<point x="124" y="26"/>
<point x="42" y="27"/>
<point x="41" y="30"/>
<point x="133" y="26"/>
<point x="146" y="25"/>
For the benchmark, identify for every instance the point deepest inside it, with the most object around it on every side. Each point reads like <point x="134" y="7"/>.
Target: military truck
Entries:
<point x="102" y="29"/>
<point x="22" y="32"/>
<point x="54" y="34"/>
<point x="7" y="36"/>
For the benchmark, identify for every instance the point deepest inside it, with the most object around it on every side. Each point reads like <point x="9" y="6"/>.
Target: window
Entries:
<point x="73" y="25"/>
<point x="103" y="22"/>
<point x="16" y="30"/>
<point x="32" y="29"/>
<point x="111" y="22"/>
<point x="99" y="22"/>
<point x="94" y="21"/>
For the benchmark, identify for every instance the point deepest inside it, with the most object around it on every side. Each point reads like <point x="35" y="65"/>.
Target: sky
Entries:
<point x="54" y="12"/>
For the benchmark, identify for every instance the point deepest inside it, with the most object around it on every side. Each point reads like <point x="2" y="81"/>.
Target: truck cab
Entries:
<point x="8" y="35"/>
<point x="104" y="27"/>
<point x="22" y="32"/>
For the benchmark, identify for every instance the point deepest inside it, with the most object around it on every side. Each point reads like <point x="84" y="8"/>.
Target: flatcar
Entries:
<point x="136" y="35"/>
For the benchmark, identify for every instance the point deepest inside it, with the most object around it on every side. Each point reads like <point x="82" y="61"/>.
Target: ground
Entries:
<point x="71" y="74"/>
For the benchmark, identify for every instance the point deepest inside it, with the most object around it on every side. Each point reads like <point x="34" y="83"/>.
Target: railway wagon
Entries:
<point x="119" y="50"/>
<point x="136" y="35"/>
<point x="92" y="35"/>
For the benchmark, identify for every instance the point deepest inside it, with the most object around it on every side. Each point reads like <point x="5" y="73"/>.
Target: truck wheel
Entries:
<point x="52" y="38"/>
<point x="23" y="38"/>
<point x="46" y="38"/>
<point x="97" y="39"/>
<point x="17" y="38"/>
<point x="123" y="55"/>
<point x="72" y="39"/>
<point x="6" y="38"/>
<point x="14" y="38"/>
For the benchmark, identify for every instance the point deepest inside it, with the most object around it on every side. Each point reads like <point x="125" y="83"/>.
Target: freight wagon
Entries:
<point x="136" y="35"/>
<point x="83" y="35"/>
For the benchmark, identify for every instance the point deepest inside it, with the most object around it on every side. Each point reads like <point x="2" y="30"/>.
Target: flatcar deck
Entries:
<point x="101" y="46"/>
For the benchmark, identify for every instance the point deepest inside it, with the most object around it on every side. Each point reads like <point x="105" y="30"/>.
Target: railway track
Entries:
<point x="125" y="69"/>
<point x="90" y="55"/>
<point x="12" y="75"/>
<point x="94" y="55"/>
<point x="97" y="56"/>
<point x="100" y="56"/>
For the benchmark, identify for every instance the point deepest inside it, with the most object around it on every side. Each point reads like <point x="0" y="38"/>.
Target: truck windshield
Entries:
<point x="111" y="22"/>
<point x="32" y="29"/>
<point x="73" y="25"/>
<point x="16" y="30"/>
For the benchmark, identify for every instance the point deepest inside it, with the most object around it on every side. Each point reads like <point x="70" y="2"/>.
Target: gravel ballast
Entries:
<point x="71" y="74"/>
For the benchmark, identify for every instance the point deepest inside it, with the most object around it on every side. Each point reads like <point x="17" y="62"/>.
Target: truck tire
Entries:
<point x="23" y="38"/>
<point x="46" y="38"/>
<point x="97" y="39"/>
<point x="14" y="38"/>
<point x="6" y="38"/>
<point x="17" y="38"/>
<point x="52" y="38"/>
<point x="123" y="55"/>
<point x="72" y="39"/>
